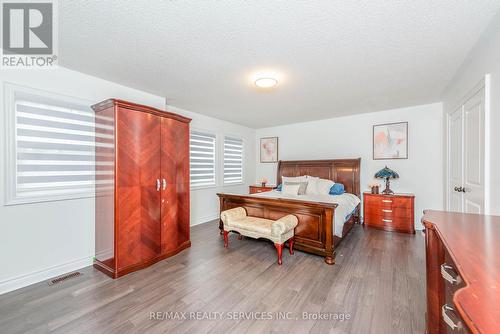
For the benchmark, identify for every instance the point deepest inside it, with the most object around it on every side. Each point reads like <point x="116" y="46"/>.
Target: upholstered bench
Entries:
<point x="278" y="231"/>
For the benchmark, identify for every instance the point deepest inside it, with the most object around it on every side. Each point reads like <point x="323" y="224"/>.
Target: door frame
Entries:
<point x="484" y="83"/>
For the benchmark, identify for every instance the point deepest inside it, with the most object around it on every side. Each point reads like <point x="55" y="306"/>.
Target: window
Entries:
<point x="202" y="159"/>
<point x="233" y="160"/>
<point x="51" y="143"/>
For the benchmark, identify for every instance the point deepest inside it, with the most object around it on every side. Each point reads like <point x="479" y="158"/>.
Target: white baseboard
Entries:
<point x="204" y="219"/>
<point x="18" y="282"/>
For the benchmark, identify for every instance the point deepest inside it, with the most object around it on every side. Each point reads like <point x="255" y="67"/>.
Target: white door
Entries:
<point x="473" y="183"/>
<point x="455" y="132"/>
<point x="466" y="156"/>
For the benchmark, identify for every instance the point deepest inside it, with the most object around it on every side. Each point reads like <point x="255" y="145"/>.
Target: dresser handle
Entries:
<point x="386" y="201"/>
<point x="451" y="278"/>
<point x="158" y="185"/>
<point x="387" y="220"/>
<point x="385" y="210"/>
<point x="444" y="313"/>
<point x="164" y="184"/>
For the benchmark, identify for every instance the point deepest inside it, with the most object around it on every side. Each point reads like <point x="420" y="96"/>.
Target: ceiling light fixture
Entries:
<point x="266" y="82"/>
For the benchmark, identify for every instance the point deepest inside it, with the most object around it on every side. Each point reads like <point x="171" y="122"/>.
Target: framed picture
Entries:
<point x="390" y="141"/>
<point x="269" y="149"/>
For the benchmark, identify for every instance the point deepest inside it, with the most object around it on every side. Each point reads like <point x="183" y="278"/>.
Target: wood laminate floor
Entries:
<point x="378" y="283"/>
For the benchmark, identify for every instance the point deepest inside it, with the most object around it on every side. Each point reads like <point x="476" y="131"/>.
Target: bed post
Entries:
<point x="329" y="249"/>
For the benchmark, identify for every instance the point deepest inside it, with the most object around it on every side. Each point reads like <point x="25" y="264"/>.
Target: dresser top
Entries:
<point x="473" y="242"/>
<point x="393" y="195"/>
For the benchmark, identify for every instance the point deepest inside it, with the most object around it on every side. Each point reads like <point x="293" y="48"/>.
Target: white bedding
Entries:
<point x="346" y="204"/>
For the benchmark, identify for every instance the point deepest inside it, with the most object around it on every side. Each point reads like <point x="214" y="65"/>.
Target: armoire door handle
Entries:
<point x="157" y="184"/>
<point x="164" y="182"/>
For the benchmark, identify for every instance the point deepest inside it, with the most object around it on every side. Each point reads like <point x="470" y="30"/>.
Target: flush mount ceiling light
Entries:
<point x="266" y="82"/>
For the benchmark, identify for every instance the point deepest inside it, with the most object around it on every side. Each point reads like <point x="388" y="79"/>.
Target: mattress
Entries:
<point x="346" y="202"/>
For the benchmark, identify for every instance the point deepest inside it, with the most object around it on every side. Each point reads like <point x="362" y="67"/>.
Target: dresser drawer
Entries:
<point x="452" y="282"/>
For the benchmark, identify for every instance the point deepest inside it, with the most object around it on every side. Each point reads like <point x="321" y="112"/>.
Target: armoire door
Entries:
<point x="175" y="184"/>
<point x="455" y="131"/>
<point x="138" y="187"/>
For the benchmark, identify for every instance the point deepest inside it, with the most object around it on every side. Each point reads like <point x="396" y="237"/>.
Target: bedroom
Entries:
<point x="255" y="92"/>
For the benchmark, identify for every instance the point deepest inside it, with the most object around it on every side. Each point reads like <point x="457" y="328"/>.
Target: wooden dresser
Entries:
<point x="254" y="189"/>
<point x="463" y="272"/>
<point x="389" y="212"/>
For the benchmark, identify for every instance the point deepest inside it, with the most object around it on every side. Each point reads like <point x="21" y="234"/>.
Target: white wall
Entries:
<point x="351" y="137"/>
<point x="483" y="59"/>
<point x="204" y="201"/>
<point x="43" y="240"/>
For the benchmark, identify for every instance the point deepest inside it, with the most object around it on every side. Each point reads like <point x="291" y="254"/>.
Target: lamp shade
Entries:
<point x="386" y="173"/>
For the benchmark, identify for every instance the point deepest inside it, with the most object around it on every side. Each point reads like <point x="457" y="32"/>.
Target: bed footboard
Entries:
<point x="313" y="234"/>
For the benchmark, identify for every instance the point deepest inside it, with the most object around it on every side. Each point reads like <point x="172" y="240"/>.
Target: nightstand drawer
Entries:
<point x="388" y="201"/>
<point x="259" y="189"/>
<point x="390" y="223"/>
<point x="400" y="212"/>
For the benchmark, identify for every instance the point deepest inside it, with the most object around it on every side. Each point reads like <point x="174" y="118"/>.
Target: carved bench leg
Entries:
<point x="226" y="239"/>
<point x="279" y="248"/>
<point x="240" y="237"/>
<point x="290" y="245"/>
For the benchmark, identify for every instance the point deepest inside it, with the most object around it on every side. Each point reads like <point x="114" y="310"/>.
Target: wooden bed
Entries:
<point x="314" y="234"/>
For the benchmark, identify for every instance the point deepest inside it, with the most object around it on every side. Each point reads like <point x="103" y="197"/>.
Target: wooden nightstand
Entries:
<point x="389" y="212"/>
<point x="260" y="189"/>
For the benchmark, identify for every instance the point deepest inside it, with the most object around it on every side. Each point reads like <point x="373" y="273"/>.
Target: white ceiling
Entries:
<point x="336" y="57"/>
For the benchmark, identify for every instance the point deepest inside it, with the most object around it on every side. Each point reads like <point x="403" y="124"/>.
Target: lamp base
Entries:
<point x="387" y="190"/>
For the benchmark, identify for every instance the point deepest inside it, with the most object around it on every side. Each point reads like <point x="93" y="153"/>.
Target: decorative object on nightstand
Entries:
<point x="263" y="182"/>
<point x="259" y="188"/>
<point x="393" y="212"/>
<point x="387" y="174"/>
<point x="375" y="187"/>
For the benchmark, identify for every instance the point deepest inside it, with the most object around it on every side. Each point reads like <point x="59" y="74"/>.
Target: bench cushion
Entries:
<point x="253" y="224"/>
<point x="278" y="231"/>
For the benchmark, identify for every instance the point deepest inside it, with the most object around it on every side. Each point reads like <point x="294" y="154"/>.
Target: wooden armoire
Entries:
<point x="142" y="186"/>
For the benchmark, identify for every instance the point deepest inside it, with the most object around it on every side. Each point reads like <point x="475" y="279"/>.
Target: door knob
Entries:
<point x="456" y="188"/>
<point x="462" y="189"/>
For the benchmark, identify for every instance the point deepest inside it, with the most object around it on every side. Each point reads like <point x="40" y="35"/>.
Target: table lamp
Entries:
<point x="387" y="174"/>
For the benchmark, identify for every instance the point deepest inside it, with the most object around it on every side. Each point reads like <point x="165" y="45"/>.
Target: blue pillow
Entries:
<point x="337" y="189"/>
<point x="278" y="188"/>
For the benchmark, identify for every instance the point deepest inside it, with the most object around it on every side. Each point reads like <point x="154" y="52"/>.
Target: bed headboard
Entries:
<point x="345" y="171"/>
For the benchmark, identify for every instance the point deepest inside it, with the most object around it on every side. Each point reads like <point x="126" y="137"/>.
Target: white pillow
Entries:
<point x="311" y="185"/>
<point x="293" y="179"/>
<point x="290" y="189"/>
<point x="318" y="186"/>
<point x="323" y="186"/>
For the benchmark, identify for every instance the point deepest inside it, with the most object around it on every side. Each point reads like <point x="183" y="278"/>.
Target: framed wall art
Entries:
<point x="269" y="149"/>
<point x="390" y="141"/>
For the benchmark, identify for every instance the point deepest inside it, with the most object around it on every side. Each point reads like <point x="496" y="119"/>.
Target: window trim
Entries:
<point x="10" y="175"/>
<point x="216" y="157"/>
<point x="242" y="160"/>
